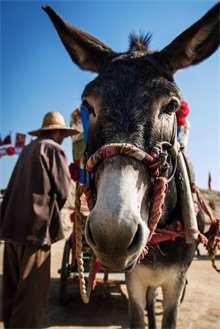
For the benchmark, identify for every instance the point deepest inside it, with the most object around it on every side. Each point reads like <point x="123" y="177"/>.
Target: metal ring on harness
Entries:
<point x="174" y="158"/>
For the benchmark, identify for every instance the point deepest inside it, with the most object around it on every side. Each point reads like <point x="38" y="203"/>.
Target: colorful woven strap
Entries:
<point x="158" y="156"/>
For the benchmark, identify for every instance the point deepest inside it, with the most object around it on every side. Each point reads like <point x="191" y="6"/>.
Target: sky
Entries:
<point x="38" y="76"/>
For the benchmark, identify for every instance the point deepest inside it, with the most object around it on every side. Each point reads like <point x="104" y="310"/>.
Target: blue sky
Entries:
<point x="37" y="75"/>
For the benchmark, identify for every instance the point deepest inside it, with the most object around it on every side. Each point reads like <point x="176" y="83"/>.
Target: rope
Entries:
<point x="84" y="291"/>
<point x="159" y="192"/>
<point x="196" y="190"/>
<point x="172" y="231"/>
<point x="155" y="161"/>
<point x="112" y="149"/>
<point x="213" y="234"/>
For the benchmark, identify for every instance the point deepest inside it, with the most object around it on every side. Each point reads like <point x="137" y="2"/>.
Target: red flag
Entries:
<point x="20" y="140"/>
<point x="209" y="181"/>
<point x="5" y="141"/>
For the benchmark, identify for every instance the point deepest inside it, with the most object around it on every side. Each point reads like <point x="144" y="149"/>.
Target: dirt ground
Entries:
<point x="200" y="308"/>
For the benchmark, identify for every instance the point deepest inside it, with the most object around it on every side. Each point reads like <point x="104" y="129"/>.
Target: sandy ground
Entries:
<point x="108" y="307"/>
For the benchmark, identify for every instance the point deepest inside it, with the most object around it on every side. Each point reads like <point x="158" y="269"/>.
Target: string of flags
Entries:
<point x="21" y="138"/>
<point x="6" y="147"/>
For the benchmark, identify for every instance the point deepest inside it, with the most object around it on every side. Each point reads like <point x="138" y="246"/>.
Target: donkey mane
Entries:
<point x="139" y="42"/>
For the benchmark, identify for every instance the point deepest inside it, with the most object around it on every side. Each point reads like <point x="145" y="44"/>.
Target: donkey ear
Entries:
<point x="86" y="51"/>
<point x="195" y="44"/>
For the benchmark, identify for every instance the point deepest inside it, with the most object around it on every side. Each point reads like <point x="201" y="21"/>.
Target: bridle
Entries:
<point x="156" y="162"/>
<point x="157" y="165"/>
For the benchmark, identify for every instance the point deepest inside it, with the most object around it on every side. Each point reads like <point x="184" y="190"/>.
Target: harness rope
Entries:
<point x="213" y="235"/>
<point x="156" y="161"/>
<point x="85" y="291"/>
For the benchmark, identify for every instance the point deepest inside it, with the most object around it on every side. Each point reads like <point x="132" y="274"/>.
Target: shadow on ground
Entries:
<point x="108" y="310"/>
<point x="102" y="311"/>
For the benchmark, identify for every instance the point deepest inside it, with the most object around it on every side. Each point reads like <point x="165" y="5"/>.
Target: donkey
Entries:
<point x="132" y="104"/>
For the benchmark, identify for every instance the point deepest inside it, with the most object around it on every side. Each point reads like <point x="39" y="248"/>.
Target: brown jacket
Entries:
<point x="37" y="190"/>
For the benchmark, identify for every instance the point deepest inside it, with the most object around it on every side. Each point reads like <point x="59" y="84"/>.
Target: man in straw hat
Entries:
<point x="30" y="222"/>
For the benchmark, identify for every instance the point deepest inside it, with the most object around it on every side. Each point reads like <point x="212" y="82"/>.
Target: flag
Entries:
<point x="209" y="181"/>
<point x="6" y="140"/>
<point x="10" y="150"/>
<point x="20" y="140"/>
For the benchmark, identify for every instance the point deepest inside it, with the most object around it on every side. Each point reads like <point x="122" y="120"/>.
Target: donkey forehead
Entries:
<point x="129" y="77"/>
<point x="127" y="99"/>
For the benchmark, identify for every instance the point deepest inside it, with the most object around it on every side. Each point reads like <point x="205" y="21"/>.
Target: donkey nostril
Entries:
<point x="137" y="238"/>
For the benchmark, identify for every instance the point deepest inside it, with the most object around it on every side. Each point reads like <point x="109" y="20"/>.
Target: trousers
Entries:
<point x="26" y="285"/>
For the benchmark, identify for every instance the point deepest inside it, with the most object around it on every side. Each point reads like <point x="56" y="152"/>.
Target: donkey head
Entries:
<point x="132" y="100"/>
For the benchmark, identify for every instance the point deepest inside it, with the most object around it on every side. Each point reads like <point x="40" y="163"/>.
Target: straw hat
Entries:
<point x="54" y="121"/>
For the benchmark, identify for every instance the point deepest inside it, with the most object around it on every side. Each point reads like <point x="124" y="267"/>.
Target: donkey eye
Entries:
<point x="170" y="108"/>
<point x="89" y="108"/>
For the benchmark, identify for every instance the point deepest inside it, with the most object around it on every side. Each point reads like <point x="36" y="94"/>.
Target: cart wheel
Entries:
<point x="65" y="271"/>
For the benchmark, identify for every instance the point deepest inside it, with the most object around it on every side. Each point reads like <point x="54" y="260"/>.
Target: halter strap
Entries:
<point x="155" y="160"/>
